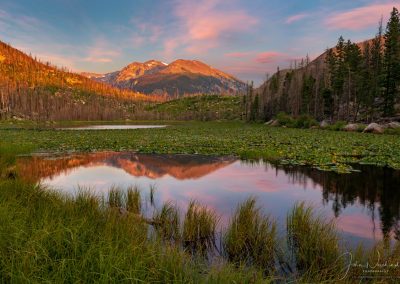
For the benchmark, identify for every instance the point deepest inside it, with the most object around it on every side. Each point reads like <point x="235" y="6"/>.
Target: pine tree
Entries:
<point x="254" y="113"/>
<point x="391" y="63"/>
<point x="352" y="62"/>
<point x="376" y="72"/>
<point x="306" y="93"/>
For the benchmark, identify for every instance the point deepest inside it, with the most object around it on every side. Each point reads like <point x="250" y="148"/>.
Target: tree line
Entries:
<point x="352" y="82"/>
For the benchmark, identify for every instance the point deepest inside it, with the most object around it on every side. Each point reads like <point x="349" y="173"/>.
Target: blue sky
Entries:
<point x="245" y="38"/>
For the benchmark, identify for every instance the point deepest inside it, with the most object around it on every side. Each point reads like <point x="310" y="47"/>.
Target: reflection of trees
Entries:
<point x="371" y="186"/>
<point x="151" y="166"/>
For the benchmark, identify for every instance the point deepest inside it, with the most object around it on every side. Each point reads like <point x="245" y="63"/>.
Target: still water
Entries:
<point x="365" y="205"/>
<point x="111" y="127"/>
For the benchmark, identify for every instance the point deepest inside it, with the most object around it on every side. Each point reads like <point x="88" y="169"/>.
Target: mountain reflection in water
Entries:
<point x="366" y="204"/>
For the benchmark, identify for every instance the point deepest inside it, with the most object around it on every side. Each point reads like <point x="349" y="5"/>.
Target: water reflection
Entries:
<point x="366" y="205"/>
<point x="375" y="188"/>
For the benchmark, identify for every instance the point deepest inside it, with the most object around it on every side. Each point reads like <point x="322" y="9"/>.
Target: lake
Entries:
<point x="111" y="127"/>
<point x="365" y="204"/>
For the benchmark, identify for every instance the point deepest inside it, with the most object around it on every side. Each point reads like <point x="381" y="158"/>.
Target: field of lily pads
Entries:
<point x="324" y="149"/>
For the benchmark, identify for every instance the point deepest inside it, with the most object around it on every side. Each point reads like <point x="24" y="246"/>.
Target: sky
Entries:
<point x="246" y="38"/>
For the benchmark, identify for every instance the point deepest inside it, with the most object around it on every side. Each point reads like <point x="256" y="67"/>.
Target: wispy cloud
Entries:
<point x="295" y="18"/>
<point x="145" y="33"/>
<point x="25" y="22"/>
<point x="100" y="54"/>
<point x="269" y="57"/>
<point x="205" y="24"/>
<point x="238" y="54"/>
<point x="360" y="18"/>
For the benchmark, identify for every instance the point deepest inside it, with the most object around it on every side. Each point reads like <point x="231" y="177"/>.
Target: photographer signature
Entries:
<point x="378" y="267"/>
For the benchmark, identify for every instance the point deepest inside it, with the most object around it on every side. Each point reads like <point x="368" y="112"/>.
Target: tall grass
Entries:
<point x="8" y="154"/>
<point x="313" y="242"/>
<point x="251" y="237"/>
<point x="133" y="201"/>
<point x="199" y="228"/>
<point x="167" y="222"/>
<point x="152" y="193"/>
<point x="116" y="198"/>
<point x="47" y="237"/>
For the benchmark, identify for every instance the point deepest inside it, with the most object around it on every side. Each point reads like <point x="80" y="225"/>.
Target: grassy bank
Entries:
<point x="327" y="150"/>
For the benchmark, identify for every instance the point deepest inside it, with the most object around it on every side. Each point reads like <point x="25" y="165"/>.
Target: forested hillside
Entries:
<point x="31" y="89"/>
<point x="352" y="82"/>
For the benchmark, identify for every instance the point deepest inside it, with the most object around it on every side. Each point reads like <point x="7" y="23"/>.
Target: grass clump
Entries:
<point x="199" y="228"/>
<point x="133" y="201"/>
<point x="116" y="198"/>
<point x="167" y="222"/>
<point x="313" y="242"/>
<point x="251" y="237"/>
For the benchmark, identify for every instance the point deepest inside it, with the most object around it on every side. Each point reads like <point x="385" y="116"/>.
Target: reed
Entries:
<point x="152" y="193"/>
<point x="115" y="198"/>
<point x="251" y="237"/>
<point x="199" y="228"/>
<point x="167" y="222"/>
<point x="133" y="200"/>
<point x="313" y="243"/>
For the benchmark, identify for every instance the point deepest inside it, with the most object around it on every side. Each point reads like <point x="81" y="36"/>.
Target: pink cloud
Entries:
<point x="169" y="46"/>
<point x="238" y="54"/>
<point x="296" y="18"/>
<point x="360" y="18"/>
<point x="206" y="23"/>
<point x="268" y="57"/>
<point x="101" y="52"/>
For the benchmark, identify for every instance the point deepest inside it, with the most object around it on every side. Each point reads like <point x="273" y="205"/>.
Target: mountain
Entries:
<point x="177" y="78"/>
<point x="32" y="89"/>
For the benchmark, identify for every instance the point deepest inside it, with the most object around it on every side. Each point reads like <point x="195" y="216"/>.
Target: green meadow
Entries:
<point x="324" y="149"/>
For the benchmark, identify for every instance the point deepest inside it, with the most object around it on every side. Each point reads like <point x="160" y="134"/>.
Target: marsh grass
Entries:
<point x="167" y="223"/>
<point x="251" y="237"/>
<point x="199" y="228"/>
<point x="152" y="193"/>
<point x="8" y="153"/>
<point x="313" y="243"/>
<point x="116" y="198"/>
<point x="51" y="238"/>
<point x="133" y="200"/>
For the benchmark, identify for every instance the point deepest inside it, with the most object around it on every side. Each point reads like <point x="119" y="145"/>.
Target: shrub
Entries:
<point x="305" y="121"/>
<point x="338" y="125"/>
<point x="284" y="119"/>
